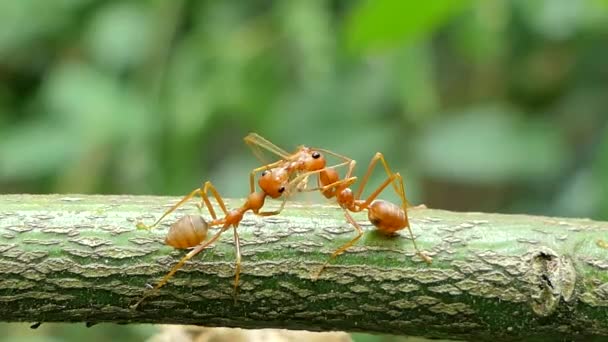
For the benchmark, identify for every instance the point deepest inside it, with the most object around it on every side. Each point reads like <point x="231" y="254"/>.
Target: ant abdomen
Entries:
<point x="187" y="232"/>
<point x="387" y="217"/>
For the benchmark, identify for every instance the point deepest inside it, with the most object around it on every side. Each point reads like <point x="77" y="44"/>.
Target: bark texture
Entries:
<point x="77" y="258"/>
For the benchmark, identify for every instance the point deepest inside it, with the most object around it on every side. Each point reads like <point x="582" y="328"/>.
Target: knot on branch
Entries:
<point x="553" y="278"/>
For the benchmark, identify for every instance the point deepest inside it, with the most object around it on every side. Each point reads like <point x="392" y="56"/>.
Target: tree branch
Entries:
<point x="494" y="277"/>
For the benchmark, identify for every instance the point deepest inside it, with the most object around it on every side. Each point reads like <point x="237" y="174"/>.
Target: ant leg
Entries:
<point x="337" y="155"/>
<point x="297" y="180"/>
<point x="346" y="182"/>
<point x="345" y="246"/>
<point x="237" y="265"/>
<point x="179" y="265"/>
<point x="397" y="177"/>
<point x="285" y="196"/>
<point x="345" y="161"/>
<point x="303" y="185"/>
<point x="399" y="188"/>
<point x="342" y="182"/>
<point x="289" y="188"/>
<point x="274" y="212"/>
<point x="208" y="186"/>
<point x="424" y="257"/>
<point x="140" y="225"/>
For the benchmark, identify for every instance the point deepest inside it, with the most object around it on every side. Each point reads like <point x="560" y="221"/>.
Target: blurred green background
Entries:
<point x="482" y="105"/>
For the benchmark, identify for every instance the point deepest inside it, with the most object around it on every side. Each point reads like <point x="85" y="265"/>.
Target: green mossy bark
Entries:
<point x="79" y="258"/>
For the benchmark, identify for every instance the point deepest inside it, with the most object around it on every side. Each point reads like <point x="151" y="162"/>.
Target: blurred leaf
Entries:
<point x="18" y="29"/>
<point x="34" y="150"/>
<point x="600" y="176"/>
<point x="188" y="94"/>
<point x="352" y="104"/>
<point x="7" y="99"/>
<point x="416" y="82"/>
<point x="93" y="104"/>
<point x="375" y="24"/>
<point x="307" y="28"/>
<point x="119" y="35"/>
<point x="482" y="36"/>
<point x="491" y="145"/>
<point x="554" y="19"/>
<point x="580" y="196"/>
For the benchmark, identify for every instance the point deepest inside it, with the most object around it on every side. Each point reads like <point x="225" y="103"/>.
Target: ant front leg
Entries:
<point x="186" y="198"/>
<point x="326" y="182"/>
<point x="303" y="185"/>
<point x="274" y="212"/>
<point x="332" y="183"/>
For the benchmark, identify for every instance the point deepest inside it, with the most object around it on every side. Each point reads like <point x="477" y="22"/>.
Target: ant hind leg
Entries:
<point x="179" y="265"/>
<point x="186" y="198"/>
<point x="208" y="186"/>
<point x="345" y="246"/>
<point x="237" y="265"/>
<point x="397" y="181"/>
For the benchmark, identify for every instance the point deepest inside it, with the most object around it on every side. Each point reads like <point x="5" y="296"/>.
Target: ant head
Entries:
<point x="274" y="181"/>
<point x="313" y="160"/>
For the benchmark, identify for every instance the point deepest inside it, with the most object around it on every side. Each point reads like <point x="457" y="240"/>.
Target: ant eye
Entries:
<point x="281" y="189"/>
<point x="316" y="155"/>
<point x="264" y="173"/>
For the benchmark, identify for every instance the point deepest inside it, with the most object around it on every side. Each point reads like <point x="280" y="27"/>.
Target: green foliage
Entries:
<point x="498" y="146"/>
<point x="481" y="105"/>
<point x="154" y="97"/>
<point x="388" y="23"/>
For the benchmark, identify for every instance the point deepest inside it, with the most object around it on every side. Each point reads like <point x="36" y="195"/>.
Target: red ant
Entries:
<point x="387" y="217"/>
<point x="191" y="232"/>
